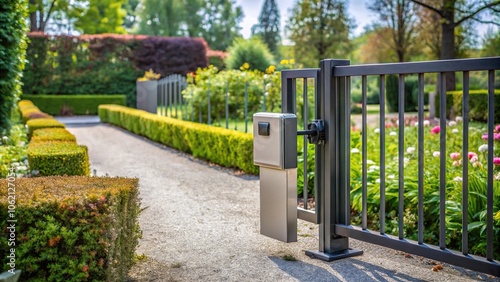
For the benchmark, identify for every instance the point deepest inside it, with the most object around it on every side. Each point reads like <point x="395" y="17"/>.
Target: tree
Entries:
<point x="491" y="44"/>
<point x="451" y="14"/>
<point x="221" y="23"/>
<point x="161" y="17"/>
<point x="131" y="17"/>
<point x="42" y="11"/>
<point x="253" y="51"/>
<point x="320" y="30"/>
<point x="268" y="27"/>
<point x="400" y="18"/>
<point x="102" y="16"/>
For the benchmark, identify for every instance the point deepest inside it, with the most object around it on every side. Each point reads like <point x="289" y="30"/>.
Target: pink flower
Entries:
<point x="496" y="136"/>
<point x="457" y="163"/>
<point x="485" y="136"/>
<point x="497" y="128"/>
<point x="496" y="160"/>
<point x="455" y="156"/>
<point x="471" y="155"/>
<point x="435" y="130"/>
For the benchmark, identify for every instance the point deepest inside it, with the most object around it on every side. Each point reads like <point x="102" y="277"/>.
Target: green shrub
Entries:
<point x="222" y="146"/>
<point x="392" y="93"/>
<point x="52" y="134"/>
<point x="77" y="104"/>
<point x="478" y="105"/>
<point x="34" y="124"/>
<point x="252" y="51"/>
<point x="72" y="228"/>
<point x="58" y="158"/>
<point x="12" y="52"/>
<point x="29" y="111"/>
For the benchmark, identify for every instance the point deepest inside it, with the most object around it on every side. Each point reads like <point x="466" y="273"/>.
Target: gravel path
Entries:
<point x="201" y="223"/>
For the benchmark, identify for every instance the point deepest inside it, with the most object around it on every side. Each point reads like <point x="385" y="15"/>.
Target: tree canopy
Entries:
<point x="268" y="27"/>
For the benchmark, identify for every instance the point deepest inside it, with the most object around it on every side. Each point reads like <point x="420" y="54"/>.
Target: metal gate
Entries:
<point x="333" y="159"/>
<point x="170" y="100"/>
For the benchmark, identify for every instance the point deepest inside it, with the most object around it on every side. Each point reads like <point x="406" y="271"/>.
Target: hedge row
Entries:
<point x="106" y="63"/>
<point x="225" y="147"/>
<point x="76" y="104"/>
<point x="478" y="105"/>
<point x="52" y="149"/>
<point x="70" y="228"/>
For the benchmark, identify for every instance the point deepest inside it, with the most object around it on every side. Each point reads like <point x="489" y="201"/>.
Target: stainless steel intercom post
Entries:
<point x="275" y="152"/>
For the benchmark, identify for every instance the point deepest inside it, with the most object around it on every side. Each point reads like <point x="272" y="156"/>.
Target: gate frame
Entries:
<point x="332" y="181"/>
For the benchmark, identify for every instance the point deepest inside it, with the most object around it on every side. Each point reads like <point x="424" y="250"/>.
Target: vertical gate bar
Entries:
<point x="159" y="86"/>
<point x="442" y="167"/>
<point x="287" y="99"/>
<point x="364" y="132"/>
<point x="489" y="197"/>
<point x="465" y="163"/>
<point x="176" y="96"/>
<point x="246" y="107"/>
<point x="227" y="104"/>
<point x="264" y="94"/>
<point x="304" y="190"/>
<point x="209" y="116"/>
<point x="319" y="154"/>
<point x="169" y="94"/>
<point x="164" y="99"/>
<point x="421" y="158"/>
<point x="401" y="151"/>
<point x="382" y="153"/>
<point x="344" y="149"/>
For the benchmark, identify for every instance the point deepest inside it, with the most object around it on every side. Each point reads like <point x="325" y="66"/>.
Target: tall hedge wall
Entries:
<point x="107" y="63"/>
<point x="12" y="51"/>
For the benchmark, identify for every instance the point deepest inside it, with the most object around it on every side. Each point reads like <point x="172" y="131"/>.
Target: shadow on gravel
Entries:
<point x="352" y="270"/>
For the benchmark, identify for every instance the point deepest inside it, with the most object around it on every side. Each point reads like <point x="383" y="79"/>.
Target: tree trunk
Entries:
<point x="33" y="22"/>
<point x="448" y="40"/>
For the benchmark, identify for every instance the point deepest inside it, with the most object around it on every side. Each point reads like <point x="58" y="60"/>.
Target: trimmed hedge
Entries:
<point x="225" y="147"/>
<point x="76" y="104"/>
<point x="58" y="158"/>
<point x="29" y="111"/>
<point x="34" y="124"/>
<point x="478" y="104"/>
<point x="52" y="134"/>
<point x="71" y="228"/>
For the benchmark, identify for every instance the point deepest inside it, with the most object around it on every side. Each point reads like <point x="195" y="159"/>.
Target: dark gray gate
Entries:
<point x="333" y="158"/>
<point x="170" y="100"/>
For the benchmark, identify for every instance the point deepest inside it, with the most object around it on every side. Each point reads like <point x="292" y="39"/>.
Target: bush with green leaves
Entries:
<point x="52" y="134"/>
<point x="34" y="124"/>
<point x="49" y="158"/>
<point x="478" y="104"/>
<point x="12" y="52"/>
<point x="77" y="104"/>
<point x="72" y="228"/>
<point x="410" y="93"/>
<point x="225" y="147"/>
<point x="253" y="52"/>
<point x="13" y="154"/>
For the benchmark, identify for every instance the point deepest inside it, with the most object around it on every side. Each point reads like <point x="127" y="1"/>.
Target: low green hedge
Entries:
<point x="29" y="111"/>
<point x="58" y="158"/>
<point x="81" y="104"/>
<point x="70" y="228"/>
<point x="218" y="145"/>
<point x="34" y="124"/>
<point x="52" y="134"/>
<point x="478" y="104"/>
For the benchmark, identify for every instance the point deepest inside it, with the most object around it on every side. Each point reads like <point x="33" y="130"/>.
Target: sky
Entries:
<point x="357" y="9"/>
<point x="251" y="8"/>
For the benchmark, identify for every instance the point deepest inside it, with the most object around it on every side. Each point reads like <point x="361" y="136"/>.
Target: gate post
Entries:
<point x="333" y="167"/>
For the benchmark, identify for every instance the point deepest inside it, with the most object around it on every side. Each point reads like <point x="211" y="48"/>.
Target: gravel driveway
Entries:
<point x="201" y="223"/>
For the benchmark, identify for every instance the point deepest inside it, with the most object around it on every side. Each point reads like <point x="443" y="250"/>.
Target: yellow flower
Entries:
<point x="284" y="62"/>
<point x="292" y="61"/>
<point x="245" y="66"/>
<point x="270" y="69"/>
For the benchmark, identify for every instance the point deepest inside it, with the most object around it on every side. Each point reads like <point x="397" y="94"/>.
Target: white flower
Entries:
<point x="370" y="162"/>
<point x="427" y="123"/>
<point x="436" y="154"/>
<point x="497" y="177"/>
<point x="376" y="130"/>
<point x="452" y="123"/>
<point x="410" y="150"/>
<point x="458" y="179"/>
<point x="483" y="148"/>
<point x="392" y="176"/>
<point x="473" y="159"/>
<point x="397" y="122"/>
<point x="377" y="180"/>
<point x="416" y="123"/>
<point x="459" y="119"/>
<point x="355" y="151"/>
<point x="454" y="130"/>
<point x="373" y="168"/>
<point x="393" y="133"/>
<point x="406" y="160"/>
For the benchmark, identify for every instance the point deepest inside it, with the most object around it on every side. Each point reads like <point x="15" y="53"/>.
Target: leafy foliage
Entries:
<point x="12" y="54"/>
<point x="105" y="64"/>
<point x="78" y="104"/>
<point x="320" y="29"/>
<point x="221" y="146"/>
<point x="252" y="51"/>
<point x="58" y="158"/>
<point x="102" y="16"/>
<point x="34" y="124"/>
<point x="52" y="134"/>
<point x="13" y="151"/>
<point x="478" y="105"/>
<point x="73" y="228"/>
<point x="268" y="28"/>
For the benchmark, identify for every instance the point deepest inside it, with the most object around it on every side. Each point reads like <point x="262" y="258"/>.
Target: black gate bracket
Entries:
<point x="315" y="132"/>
